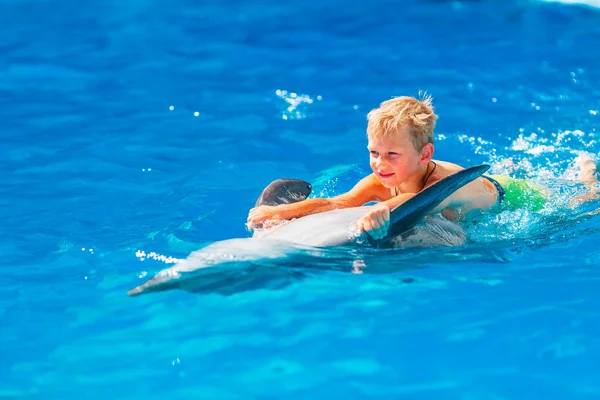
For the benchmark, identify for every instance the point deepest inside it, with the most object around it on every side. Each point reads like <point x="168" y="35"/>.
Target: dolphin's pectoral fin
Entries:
<point x="407" y="215"/>
<point x="284" y="191"/>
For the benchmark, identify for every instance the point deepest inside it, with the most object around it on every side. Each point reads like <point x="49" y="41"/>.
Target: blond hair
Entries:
<point x="404" y="112"/>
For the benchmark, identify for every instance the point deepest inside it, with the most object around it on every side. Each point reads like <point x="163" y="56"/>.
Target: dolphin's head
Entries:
<point x="284" y="191"/>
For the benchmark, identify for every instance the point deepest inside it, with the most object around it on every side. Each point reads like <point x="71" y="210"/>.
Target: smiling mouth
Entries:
<point x="381" y="174"/>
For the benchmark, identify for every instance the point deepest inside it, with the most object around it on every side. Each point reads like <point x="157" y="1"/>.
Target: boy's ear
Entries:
<point x="427" y="152"/>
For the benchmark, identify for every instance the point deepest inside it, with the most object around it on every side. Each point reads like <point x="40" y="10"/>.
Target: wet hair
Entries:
<point x="417" y="117"/>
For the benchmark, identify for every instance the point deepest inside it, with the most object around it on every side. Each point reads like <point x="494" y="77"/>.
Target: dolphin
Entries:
<point x="410" y="225"/>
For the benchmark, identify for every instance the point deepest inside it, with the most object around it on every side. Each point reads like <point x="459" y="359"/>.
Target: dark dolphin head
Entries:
<point x="284" y="191"/>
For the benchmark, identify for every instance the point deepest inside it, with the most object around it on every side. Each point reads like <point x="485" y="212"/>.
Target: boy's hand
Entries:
<point x="263" y="217"/>
<point x="376" y="221"/>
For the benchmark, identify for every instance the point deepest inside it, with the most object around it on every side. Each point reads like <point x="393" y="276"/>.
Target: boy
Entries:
<point x="400" y="141"/>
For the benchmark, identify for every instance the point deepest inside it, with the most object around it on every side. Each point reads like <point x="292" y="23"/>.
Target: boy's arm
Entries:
<point x="376" y="221"/>
<point x="366" y="190"/>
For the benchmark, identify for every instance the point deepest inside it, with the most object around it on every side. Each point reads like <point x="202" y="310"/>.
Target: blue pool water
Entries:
<point x="103" y="184"/>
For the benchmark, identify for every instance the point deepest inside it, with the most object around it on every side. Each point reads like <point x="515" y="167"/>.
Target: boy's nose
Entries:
<point x="379" y="162"/>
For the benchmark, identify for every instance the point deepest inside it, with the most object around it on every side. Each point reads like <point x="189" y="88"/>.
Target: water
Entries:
<point x="98" y="173"/>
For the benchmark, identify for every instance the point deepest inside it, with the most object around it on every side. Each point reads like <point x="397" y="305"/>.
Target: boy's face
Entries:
<point x="394" y="159"/>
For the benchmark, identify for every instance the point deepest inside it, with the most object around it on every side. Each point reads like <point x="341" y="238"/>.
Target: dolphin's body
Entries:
<point x="409" y="226"/>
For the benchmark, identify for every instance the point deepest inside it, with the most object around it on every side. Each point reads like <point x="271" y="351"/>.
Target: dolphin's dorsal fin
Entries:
<point x="407" y="215"/>
<point x="284" y="191"/>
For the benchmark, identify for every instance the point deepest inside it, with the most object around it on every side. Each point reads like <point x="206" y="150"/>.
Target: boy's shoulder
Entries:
<point x="366" y="190"/>
<point x="447" y="168"/>
<point x="376" y="189"/>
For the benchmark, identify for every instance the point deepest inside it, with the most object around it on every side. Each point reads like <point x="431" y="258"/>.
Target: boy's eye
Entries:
<point x="374" y="153"/>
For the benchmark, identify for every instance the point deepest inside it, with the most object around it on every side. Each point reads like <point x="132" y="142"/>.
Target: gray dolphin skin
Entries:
<point x="284" y="191"/>
<point x="409" y="226"/>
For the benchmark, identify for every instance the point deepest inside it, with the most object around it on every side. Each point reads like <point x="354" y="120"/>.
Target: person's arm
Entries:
<point x="364" y="191"/>
<point x="361" y="193"/>
<point x="376" y="221"/>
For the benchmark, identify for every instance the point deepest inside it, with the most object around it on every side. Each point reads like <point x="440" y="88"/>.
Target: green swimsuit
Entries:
<point x="518" y="193"/>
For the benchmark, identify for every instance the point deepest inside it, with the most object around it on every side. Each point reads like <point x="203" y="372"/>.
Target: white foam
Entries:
<point x="590" y="3"/>
<point x="142" y="255"/>
<point x="295" y="100"/>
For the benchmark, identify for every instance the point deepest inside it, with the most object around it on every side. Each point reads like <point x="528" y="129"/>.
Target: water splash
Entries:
<point x="143" y="256"/>
<point x="296" y="102"/>
<point x="589" y="3"/>
<point x="562" y="162"/>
